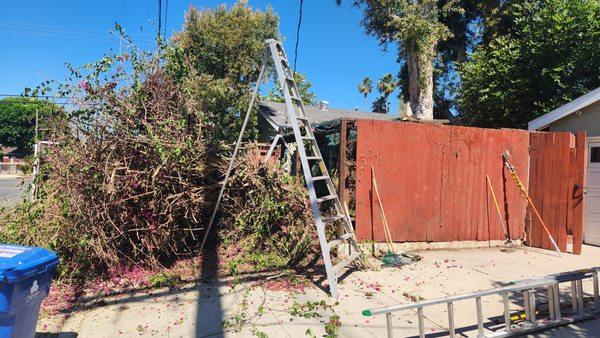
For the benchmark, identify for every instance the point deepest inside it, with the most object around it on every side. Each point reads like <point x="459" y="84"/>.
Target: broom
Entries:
<point x="390" y="258"/>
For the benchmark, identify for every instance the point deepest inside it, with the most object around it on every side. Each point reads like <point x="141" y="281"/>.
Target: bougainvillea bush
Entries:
<point x="136" y="162"/>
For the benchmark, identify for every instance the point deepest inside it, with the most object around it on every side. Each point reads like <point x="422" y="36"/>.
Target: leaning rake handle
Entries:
<point x="386" y="228"/>
<point x="523" y="190"/>
<point x="497" y="207"/>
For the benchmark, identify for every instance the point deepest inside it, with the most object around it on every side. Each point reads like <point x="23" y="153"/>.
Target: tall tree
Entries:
<point x="416" y="27"/>
<point x="546" y="57"/>
<point x="365" y="88"/>
<point x="386" y="86"/>
<point x="217" y="55"/>
<point x="17" y="121"/>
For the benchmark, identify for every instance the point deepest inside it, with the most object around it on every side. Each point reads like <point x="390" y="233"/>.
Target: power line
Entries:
<point x="166" y="15"/>
<point x="159" y="16"/>
<point x="62" y="36"/>
<point x="37" y="96"/>
<point x="298" y="36"/>
<point x="54" y="35"/>
<point x="51" y="30"/>
<point x="71" y="29"/>
<point x="34" y="103"/>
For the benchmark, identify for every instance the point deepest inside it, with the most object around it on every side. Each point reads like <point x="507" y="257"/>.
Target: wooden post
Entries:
<point x="579" y="173"/>
<point x="342" y="163"/>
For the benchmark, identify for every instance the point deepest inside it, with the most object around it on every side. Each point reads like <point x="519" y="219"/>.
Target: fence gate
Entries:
<point x="557" y="175"/>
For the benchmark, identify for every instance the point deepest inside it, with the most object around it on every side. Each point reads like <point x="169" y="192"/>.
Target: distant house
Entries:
<point x="272" y="117"/>
<point x="10" y="155"/>
<point x="581" y="114"/>
<point x="325" y="123"/>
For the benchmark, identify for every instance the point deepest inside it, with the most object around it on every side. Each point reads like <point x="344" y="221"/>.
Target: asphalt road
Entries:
<point x="12" y="189"/>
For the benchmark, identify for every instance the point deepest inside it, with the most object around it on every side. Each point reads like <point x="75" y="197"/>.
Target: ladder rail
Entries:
<point x="317" y="151"/>
<point x="293" y="121"/>
<point x="236" y="149"/>
<point x="300" y="124"/>
<point x="528" y="287"/>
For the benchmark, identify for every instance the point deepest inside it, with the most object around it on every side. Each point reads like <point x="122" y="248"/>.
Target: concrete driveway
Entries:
<point x="256" y="308"/>
<point x="12" y="189"/>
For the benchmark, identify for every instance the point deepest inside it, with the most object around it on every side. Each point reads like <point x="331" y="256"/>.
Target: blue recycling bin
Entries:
<point x="26" y="273"/>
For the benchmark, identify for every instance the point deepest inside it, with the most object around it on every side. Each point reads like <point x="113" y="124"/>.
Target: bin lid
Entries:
<point x="20" y="262"/>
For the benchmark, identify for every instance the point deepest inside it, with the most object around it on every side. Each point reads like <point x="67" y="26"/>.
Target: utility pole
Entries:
<point x="35" y="156"/>
<point x="37" y="117"/>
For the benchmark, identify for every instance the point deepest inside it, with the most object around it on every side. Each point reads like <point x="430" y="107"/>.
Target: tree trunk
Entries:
<point x="420" y="81"/>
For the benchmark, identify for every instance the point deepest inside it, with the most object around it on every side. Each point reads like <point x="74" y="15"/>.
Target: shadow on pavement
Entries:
<point x="209" y="313"/>
<point x="56" y="335"/>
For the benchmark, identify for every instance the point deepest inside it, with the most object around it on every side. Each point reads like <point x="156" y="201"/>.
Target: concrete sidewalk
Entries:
<point x="259" y="309"/>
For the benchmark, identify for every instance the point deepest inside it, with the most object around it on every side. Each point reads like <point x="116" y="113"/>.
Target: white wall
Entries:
<point x="589" y="121"/>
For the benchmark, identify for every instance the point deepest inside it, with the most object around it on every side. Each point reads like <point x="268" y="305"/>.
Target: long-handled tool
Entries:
<point x="523" y="190"/>
<point x="390" y="258"/>
<point x="508" y="242"/>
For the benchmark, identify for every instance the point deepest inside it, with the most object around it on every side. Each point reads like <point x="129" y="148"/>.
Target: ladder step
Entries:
<point x="296" y="98"/>
<point x="339" y="240"/>
<point x="326" y="198"/>
<point x="320" y="178"/>
<point x="307" y="138"/>
<point x="339" y="266"/>
<point x="289" y="126"/>
<point x="332" y="218"/>
<point x="290" y="79"/>
<point x="314" y="158"/>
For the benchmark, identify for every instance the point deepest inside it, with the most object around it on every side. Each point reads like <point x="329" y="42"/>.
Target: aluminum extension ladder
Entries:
<point x="309" y="154"/>
<point x="534" y="319"/>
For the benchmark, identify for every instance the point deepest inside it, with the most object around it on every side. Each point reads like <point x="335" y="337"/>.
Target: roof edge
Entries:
<point x="564" y="110"/>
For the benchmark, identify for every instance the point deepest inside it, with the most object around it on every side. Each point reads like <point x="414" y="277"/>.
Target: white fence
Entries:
<point x="10" y="168"/>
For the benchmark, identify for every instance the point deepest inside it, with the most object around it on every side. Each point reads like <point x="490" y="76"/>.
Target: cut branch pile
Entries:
<point x="131" y="180"/>
<point x="265" y="214"/>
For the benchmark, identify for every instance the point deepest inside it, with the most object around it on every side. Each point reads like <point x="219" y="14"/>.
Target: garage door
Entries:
<point x="592" y="225"/>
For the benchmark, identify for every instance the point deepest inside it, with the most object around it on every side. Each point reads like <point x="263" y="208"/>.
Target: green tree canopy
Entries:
<point x="365" y="88"/>
<point x="417" y="28"/>
<point x="17" y="121"/>
<point x="548" y="56"/>
<point x="216" y="56"/>
<point x="304" y="87"/>
<point x="386" y="86"/>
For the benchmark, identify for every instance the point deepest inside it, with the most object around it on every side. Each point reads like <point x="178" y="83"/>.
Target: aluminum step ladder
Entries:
<point x="309" y="154"/>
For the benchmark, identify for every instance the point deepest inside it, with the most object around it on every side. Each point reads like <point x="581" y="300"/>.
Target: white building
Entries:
<point x="581" y="114"/>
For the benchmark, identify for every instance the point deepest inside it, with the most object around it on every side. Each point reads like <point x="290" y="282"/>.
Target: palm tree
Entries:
<point x="386" y="85"/>
<point x="365" y="88"/>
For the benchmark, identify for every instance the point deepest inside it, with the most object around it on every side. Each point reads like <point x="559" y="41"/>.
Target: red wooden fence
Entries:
<point x="558" y="173"/>
<point x="432" y="181"/>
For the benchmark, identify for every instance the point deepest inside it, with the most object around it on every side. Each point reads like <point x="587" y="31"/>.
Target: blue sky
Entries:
<point x="40" y="36"/>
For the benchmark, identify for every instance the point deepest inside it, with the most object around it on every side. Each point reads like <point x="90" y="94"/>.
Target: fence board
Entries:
<point x="432" y="181"/>
<point x="558" y="165"/>
<point x="577" y="197"/>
